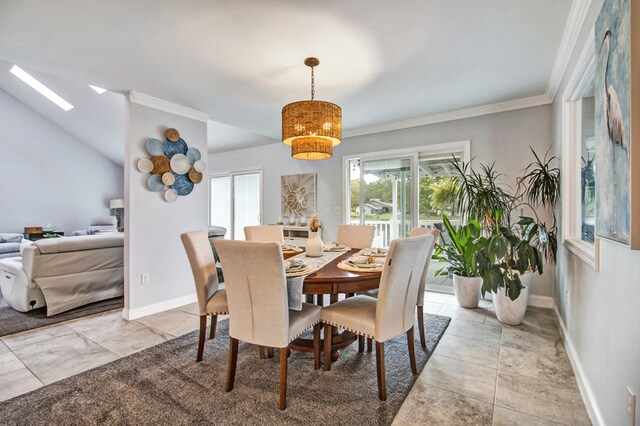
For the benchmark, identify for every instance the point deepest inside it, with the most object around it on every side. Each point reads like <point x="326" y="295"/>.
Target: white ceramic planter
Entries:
<point x="511" y="312"/>
<point x="314" y="246"/>
<point x="467" y="290"/>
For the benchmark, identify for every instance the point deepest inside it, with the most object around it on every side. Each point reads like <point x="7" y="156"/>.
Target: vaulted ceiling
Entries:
<point x="241" y="60"/>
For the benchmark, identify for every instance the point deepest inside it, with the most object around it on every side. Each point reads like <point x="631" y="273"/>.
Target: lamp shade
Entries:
<point x="116" y="204"/>
<point x="317" y="119"/>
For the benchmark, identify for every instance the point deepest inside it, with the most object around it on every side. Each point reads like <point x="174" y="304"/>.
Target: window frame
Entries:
<point x="582" y="76"/>
<point x="231" y="174"/>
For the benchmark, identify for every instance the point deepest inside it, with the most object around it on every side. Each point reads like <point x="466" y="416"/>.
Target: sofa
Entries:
<point x="99" y="225"/>
<point x="10" y="245"/>
<point x="64" y="273"/>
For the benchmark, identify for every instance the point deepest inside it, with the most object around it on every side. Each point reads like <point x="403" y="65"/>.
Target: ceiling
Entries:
<point x="240" y="61"/>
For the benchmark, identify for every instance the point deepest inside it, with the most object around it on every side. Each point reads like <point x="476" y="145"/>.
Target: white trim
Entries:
<point x="581" y="77"/>
<point x="586" y="390"/>
<point x="511" y="105"/>
<point x="131" y="314"/>
<point x="575" y="21"/>
<point x="166" y="106"/>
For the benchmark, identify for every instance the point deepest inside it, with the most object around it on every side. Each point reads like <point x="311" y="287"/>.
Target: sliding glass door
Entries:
<point x="235" y="201"/>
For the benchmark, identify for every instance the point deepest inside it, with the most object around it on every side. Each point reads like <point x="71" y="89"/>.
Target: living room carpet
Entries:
<point x="164" y="385"/>
<point x="12" y="321"/>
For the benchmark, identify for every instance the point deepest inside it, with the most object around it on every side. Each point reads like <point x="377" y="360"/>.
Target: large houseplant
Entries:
<point x="512" y="251"/>
<point x="462" y="261"/>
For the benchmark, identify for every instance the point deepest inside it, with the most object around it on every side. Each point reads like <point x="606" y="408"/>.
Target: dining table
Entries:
<point x="332" y="281"/>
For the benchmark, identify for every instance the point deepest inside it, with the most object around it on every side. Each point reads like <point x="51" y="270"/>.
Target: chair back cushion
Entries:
<point x="416" y="232"/>
<point x="203" y="266"/>
<point x="356" y="236"/>
<point x="399" y="285"/>
<point x="264" y="233"/>
<point x="254" y="275"/>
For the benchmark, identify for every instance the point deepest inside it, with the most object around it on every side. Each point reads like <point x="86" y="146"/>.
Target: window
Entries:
<point x="578" y="160"/>
<point x="401" y="189"/>
<point x="235" y="201"/>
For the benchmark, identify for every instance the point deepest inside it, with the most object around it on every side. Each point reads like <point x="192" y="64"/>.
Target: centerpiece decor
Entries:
<point x="311" y="128"/>
<point x="314" y="246"/>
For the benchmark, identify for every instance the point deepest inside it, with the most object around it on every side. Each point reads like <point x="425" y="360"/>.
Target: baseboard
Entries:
<point x="541" y="301"/>
<point x="439" y="288"/>
<point x="131" y="314"/>
<point x="583" y="384"/>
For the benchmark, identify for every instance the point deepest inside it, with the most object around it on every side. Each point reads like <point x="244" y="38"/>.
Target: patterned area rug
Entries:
<point x="12" y="321"/>
<point x="164" y="385"/>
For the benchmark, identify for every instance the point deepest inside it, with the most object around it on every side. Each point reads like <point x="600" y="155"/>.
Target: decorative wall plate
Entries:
<point x="172" y="135"/>
<point x="200" y="166"/>
<point x="154" y="183"/>
<point x="145" y="165"/>
<point x="170" y="195"/>
<point x="160" y="165"/>
<point x="173" y="148"/>
<point x="193" y="154"/>
<point x="154" y="147"/>
<point x="195" y="176"/>
<point x="168" y="178"/>
<point x="183" y="185"/>
<point x="180" y="164"/>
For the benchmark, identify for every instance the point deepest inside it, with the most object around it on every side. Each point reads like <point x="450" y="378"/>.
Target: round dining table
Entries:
<point x="333" y="281"/>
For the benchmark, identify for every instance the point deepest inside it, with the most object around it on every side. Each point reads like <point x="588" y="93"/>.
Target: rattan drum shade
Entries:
<point x="312" y="118"/>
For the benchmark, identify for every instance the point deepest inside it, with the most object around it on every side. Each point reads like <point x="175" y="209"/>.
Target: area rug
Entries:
<point x="164" y="385"/>
<point x="12" y="321"/>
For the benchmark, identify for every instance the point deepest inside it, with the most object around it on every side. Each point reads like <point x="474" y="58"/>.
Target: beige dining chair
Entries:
<point x="356" y="236"/>
<point x="392" y="313"/>
<point x="264" y="233"/>
<point x="212" y="300"/>
<point x="416" y="232"/>
<point x="258" y="305"/>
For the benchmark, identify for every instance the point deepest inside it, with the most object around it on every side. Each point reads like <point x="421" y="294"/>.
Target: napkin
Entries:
<point x="294" y="264"/>
<point x="287" y="247"/>
<point x="333" y="246"/>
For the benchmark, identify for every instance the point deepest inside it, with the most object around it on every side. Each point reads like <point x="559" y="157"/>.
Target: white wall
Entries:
<point x="601" y="310"/>
<point x="49" y="176"/>
<point x="503" y="138"/>
<point x="152" y="237"/>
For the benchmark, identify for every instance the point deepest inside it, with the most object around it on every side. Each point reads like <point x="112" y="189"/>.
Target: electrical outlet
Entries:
<point x="631" y="406"/>
<point x="336" y="210"/>
<point x="144" y="278"/>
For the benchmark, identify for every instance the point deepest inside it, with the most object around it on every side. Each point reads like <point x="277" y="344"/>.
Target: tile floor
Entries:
<point x="481" y="373"/>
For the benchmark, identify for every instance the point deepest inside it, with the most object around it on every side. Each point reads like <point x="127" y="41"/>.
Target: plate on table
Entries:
<point x="308" y="269"/>
<point x="365" y="265"/>
<point x="286" y="248"/>
<point x="335" y="247"/>
<point x="348" y="266"/>
<point x="375" y="252"/>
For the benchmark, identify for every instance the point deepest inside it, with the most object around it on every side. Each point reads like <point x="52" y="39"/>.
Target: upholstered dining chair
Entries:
<point x="416" y="232"/>
<point x="212" y="300"/>
<point x="258" y="305"/>
<point x="392" y="313"/>
<point x="355" y="236"/>
<point x="264" y="233"/>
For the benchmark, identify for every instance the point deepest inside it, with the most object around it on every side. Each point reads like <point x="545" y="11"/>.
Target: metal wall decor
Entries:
<point x="173" y="167"/>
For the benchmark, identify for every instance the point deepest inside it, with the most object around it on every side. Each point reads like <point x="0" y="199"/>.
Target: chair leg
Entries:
<point x="316" y="346"/>
<point x="261" y="352"/>
<point x="423" y="342"/>
<point x="269" y="352"/>
<point x="369" y="344"/>
<point x="412" y="351"/>
<point x="212" y="329"/>
<point x="382" y="384"/>
<point x="360" y="343"/>
<point x="233" y="361"/>
<point x="328" y="331"/>
<point x="203" y="333"/>
<point x="283" y="378"/>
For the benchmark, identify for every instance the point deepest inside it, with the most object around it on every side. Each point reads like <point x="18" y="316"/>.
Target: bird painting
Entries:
<point x="612" y="110"/>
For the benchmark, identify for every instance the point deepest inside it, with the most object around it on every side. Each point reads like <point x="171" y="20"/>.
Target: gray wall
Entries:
<point x="152" y="239"/>
<point x="600" y="309"/>
<point x="503" y="138"/>
<point x="49" y="176"/>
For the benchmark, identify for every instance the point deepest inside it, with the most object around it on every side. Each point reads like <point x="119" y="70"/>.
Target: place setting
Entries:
<point x="335" y="247"/>
<point x="360" y="263"/>
<point x="376" y="252"/>
<point x="290" y="249"/>
<point x="297" y="268"/>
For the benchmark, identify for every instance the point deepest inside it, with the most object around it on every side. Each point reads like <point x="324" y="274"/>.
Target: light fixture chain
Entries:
<point x="313" y="84"/>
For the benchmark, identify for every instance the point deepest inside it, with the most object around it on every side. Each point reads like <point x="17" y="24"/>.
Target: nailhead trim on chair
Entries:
<point x="359" y="333"/>
<point x="303" y="331"/>
<point x="217" y="313"/>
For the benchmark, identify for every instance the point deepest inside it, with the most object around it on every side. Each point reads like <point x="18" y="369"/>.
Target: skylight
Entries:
<point x="40" y="88"/>
<point x="99" y="90"/>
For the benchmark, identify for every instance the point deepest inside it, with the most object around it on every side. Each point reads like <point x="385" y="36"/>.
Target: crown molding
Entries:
<point x="532" y="101"/>
<point x="577" y="16"/>
<point x="166" y="106"/>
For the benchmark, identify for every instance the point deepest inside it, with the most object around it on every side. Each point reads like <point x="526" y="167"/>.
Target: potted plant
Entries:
<point x="461" y="257"/>
<point x="511" y="253"/>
